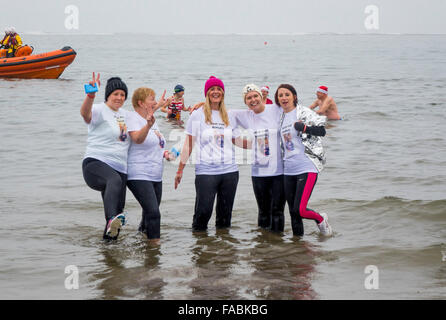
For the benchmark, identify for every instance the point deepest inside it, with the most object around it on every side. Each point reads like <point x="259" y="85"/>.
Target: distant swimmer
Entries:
<point x="265" y="92"/>
<point x="177" y="104"/>
<point x="327" y="106"/>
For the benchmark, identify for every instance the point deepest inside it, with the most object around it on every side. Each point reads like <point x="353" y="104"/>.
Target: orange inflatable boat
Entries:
<point x="49" y="65"/>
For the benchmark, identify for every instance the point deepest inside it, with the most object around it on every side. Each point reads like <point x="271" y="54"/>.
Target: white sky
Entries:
<point x="225" y="16"/>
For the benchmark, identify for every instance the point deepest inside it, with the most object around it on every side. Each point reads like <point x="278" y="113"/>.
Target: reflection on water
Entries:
<point x="265" y="267"/>
<point x="120" y="279"/>
<point x="282" y="269"/>
<point x="214" y="257"/>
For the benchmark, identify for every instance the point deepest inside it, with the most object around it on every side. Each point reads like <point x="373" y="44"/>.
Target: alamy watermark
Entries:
<point x="72" y="20"/>
<point x="371" y="282"/>
<point x="371" y="22"/>
<point x="72" y="281"/>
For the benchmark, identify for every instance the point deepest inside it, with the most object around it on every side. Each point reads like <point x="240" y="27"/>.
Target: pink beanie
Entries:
<point x="211" y="82"/>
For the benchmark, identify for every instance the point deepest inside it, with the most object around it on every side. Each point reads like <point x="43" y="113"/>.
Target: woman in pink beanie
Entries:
<point x="216" y="172"/>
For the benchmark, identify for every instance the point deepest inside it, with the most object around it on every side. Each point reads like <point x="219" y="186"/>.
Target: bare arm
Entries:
<point x="242" y="143"/>
<point x="86" y="109"/>
<point x="89" y="99"/>
<point x="314" y="104"/>
<point x="196" y="107"/>
<point x="141" y="135"/>
<point x="184" y="156"/>
<point x="184" y="106"/>
<point x="325" y="106"/>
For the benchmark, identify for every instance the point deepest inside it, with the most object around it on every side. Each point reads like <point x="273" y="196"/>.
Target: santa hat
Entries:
<point x="322" y="89"/>
<point x="265" y="88"/>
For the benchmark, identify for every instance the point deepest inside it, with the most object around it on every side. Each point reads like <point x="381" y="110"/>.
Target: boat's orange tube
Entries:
<point x="49" y="65"/>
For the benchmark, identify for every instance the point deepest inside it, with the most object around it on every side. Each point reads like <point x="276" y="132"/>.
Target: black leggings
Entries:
<point x="111" y="183"/>
<point x="148" y="194"/>
<point x="207" y="187"/>
<point x="270" y="196"/>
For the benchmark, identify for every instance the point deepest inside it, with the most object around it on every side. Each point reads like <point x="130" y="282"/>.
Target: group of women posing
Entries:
<point x="126" y="148"/>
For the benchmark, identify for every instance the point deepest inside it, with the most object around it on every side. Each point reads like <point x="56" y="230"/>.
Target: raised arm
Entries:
<point x="89" y="99"/>
<point x="140" y="136"/>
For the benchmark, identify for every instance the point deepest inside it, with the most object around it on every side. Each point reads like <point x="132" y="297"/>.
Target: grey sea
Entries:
<point x="384" y="185"/>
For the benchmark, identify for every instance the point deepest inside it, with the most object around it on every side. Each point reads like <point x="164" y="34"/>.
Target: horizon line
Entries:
<point x="75" y="33"/>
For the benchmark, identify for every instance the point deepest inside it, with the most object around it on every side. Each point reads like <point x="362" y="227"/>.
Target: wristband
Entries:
<point x="305" y="128"/>
<point x="179" y="172"/>
<point x="91" y="96"/>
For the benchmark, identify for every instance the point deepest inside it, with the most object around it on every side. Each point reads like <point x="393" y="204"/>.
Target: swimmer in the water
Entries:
<point x="327" y="105"/>
<point x="177" y="104"/>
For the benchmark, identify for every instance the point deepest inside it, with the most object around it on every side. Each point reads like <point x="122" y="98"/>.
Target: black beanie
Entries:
<point x="113" y="84"/>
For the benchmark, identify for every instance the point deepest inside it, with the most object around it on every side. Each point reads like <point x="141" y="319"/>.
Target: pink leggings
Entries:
<point x="298" y="191"/>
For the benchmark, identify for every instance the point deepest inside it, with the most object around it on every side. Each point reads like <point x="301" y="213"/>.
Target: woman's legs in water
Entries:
<point x="112" y="184"/>
<point x="270" y="198"/>
<point x="206" y="187"/>
<point x="223" y="186"/>
<point x="298" y="192"/>
<point x="278" y="201"/>
<point x="225" y="199"/>
<point x="148" y="194"/>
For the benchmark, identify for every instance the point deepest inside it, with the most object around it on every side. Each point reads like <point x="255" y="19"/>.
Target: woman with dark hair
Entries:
<point x="105" y="162"/>
<point x="301" y="130"/>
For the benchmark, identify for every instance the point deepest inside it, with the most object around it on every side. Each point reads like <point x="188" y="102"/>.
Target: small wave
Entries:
<point x="433" y="210"/>
<point x="375" y="114"/>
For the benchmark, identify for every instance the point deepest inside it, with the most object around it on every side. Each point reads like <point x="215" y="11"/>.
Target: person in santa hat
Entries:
<point x="327" y="105"/>
<point x="265" y="91"/>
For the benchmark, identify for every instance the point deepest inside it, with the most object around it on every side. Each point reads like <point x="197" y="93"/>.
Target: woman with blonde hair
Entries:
<point x="145" y="159"/>
<point x="216" y="172"/>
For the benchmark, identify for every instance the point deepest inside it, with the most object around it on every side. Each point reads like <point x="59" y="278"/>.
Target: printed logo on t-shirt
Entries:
<point x="122" y="127"/>
<point x="262" y="138"/>
<point x="262" y="147"/>
<point x="287" y="137"/>
<point x="219" y="137"/>
<point x="288" y="141"/>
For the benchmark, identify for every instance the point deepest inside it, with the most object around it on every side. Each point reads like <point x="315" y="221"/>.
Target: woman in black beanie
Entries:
<point x="105" y="162"/>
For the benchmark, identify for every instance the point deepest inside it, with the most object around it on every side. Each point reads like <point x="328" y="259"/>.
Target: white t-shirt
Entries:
<point x="108" y="139"/>
<point x="213" y="152"/>
<point x="264" y="130"/>
<point x="145" y="160"/>
<point x="295" y="160"/>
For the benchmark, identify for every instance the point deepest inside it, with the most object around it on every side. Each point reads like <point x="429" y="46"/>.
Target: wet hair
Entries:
<point x="289" y="87"/>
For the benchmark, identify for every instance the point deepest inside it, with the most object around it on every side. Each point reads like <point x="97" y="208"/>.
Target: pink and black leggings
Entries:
<point x="298" y="191"/>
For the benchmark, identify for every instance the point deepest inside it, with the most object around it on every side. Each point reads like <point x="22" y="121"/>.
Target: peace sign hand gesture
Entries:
<point x="163" y="102"/>
<point x="94" y="81"/>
